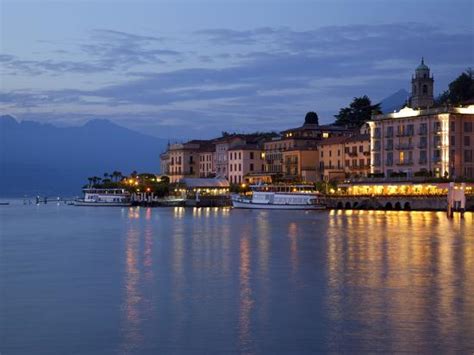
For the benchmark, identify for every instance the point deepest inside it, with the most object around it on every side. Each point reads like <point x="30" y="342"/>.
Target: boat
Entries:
<point x="280" y="197"/>
<point x="104" y="197"/>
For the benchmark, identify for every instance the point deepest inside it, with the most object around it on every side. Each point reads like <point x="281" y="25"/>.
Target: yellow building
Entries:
<point x="343" y="157"/>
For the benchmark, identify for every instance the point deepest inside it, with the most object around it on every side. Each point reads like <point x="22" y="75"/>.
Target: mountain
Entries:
<point x="395" y="101"/>
<point x="43" y="159"/>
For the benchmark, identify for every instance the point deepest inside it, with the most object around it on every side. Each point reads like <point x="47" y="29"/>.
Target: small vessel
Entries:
<point x="280" y="197"/>
<point x="104" y="197"/>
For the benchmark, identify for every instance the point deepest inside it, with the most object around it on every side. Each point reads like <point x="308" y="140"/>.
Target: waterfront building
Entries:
<point x="293" y="155"/>
<point x="345" y="157"/>
<point x="207" y="154"/>
<point x="184" y="159"/>
<point x="223" y="144"/>
<point x="429" y="141"/>
<point x="244" y="160"/>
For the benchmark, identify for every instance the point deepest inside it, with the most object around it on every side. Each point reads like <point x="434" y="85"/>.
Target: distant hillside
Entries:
<point x="395" y="101"/>
<point x="43" y="159"/>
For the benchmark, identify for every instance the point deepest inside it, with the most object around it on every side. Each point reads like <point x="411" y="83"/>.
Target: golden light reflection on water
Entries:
<point x="131" y="307"/>
<point x="138" y="277"/>
<point x="293" y="236"/>
<point x="246" y="302"/>
<point x="405" y="267"/>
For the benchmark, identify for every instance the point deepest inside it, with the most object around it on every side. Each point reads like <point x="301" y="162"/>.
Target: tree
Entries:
<point x="461" y="89"/>
<point x="311" y="118"/>
<point x="359" y="111"/>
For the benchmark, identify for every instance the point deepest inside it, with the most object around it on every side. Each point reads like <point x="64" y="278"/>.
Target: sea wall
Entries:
<point x="421" y="203"/>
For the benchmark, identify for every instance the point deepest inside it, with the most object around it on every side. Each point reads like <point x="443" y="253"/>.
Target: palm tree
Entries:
<point x="90" y="179"/>
<point x="106" y="175"/>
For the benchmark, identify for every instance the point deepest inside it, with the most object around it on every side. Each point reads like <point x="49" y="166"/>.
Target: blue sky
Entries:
<point x="194" y="68"/>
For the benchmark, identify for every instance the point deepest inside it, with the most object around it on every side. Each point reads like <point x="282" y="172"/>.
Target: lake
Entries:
<point x="85" y="280"/>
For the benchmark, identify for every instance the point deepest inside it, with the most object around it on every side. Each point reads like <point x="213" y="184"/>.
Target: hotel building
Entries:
<point x="423" y="141"/>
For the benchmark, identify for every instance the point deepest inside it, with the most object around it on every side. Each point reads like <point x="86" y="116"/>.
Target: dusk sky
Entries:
<point x="192" y="69"/>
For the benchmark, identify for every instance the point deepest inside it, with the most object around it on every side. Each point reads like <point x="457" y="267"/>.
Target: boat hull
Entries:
<point x="101" y="204"/>
<point x="270" y="206"/>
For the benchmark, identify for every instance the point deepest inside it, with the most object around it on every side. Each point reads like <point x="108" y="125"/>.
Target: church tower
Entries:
<point x="422" y="87"/>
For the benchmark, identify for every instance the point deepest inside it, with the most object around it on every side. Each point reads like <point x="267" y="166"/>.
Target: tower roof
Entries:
<point x="422" y="66"/>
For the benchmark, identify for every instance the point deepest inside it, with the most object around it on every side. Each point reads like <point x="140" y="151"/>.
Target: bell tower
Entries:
<point x="422" y="87"/>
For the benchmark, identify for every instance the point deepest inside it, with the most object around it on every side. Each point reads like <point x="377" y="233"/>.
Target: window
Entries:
<point x="322" y="153"/>
<point x="390" y="144"/>
<point x="423" y="157"/>
<point x="330" y="153"/>
<point x="361" y="148"/>
<point x="240" y="155"/>
<point x="361" y="162"/>
<point x="452" y="140"/>
<point x="251" y="156"/>
<point x="389" y="131"/>
<point x="467" y="141"/>
<point x="240" y="167"/>
<point x="467" y="126"/>
<point x="423" y="129"/>
<point x="425" y="88"/>
<point x="423" y="142"/>
<point x="453" y="126"/>
<point x="251" y="166"/>
<point x="401" y="157"/>
<point x="389" y="159"/>
<point x="468" y="156"/>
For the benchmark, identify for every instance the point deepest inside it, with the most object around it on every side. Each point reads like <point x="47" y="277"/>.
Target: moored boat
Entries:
<point x="280" y="197"/>
<point x="104" y="197"/>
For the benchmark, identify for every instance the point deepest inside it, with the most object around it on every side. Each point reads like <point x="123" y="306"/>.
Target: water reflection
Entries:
<point x="403" y="272"/>
<point x="132" y="298"/>
<point x="246" y="302"/>
<point x="138" y="277"/>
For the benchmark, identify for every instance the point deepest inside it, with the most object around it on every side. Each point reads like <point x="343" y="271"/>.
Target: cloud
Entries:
<point x="273" y="77"/>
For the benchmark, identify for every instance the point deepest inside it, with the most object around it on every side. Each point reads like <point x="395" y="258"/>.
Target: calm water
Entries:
<point x="78" y="280"/>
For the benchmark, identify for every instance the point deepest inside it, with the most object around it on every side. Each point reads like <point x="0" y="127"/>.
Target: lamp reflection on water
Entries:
<point x="405" y="268"/>
<point x="246" y="302"/>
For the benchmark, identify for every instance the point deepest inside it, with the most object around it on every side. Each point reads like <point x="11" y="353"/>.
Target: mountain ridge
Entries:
<point x="40" y="158"/>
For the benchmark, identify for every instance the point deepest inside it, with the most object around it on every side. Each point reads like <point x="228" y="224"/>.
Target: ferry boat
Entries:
<point x="280" y="197"/>
<point x="104" y="197"/>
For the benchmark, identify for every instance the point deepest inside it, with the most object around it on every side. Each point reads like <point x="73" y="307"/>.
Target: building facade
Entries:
<point x="423" y="140"/>
<point x="435" y="142"/>
<point x="345" y="157"/>
<point x="244" y="160"/>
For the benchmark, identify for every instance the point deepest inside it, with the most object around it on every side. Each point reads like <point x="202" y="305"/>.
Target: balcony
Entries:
<point x="352" y="154"/>
<point x="404" y="134"/>
<point x="404" y="146"/>
<point x="366" y="153"/>
<point x="405" y="163"/>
